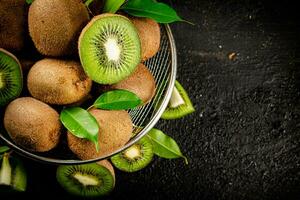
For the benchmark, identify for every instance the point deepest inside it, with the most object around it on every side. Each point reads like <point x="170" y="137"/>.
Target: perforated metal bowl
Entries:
<point x="163" y="67"/>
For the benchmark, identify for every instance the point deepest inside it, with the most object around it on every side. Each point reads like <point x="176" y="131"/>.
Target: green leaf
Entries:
<point x="117" y="100"/>
<point x="4" y="149"/>
<point x="164" y="146"/>
<point x="160" y="12"/>
<point x="29" y="1"/>
<point x="81" y="124"/>
<point x="112" y="6"/>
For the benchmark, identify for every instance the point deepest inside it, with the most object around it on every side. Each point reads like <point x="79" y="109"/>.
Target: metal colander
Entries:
<point x="163" y="67"/>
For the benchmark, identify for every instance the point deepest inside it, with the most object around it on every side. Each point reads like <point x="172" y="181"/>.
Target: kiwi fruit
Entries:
<point x="12" y="24"/>
<point x="32" y="124"/>
<point x="115" y="130"/>
<point x="59" y="82"/>
<point x="87" y="180"/>
<point x="134" y="158"/>
<point x="109" y="48"/>
<point x="11" y="78"/>
<point x="149" y="33"/>
<point x="141" y="82"/>
<point x="179" y="105"/>
<point x="12" y="174"/>
<point x="54" y="25"/>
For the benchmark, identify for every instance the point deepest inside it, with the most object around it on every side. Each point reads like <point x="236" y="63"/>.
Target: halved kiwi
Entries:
<point x="109" y="48"/>
<point x="179" y="105"/>
<point x="11" y="78"/>
<point x="87" y="180"/>
<point x="135" y="157"/>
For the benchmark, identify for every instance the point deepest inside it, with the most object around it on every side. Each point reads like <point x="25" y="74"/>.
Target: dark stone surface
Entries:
<point x="243" y="140"/>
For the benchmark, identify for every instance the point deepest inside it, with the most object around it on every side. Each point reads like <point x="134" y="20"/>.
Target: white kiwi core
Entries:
<point x="86" y="180"/>
<point x="176" y="99"/>
<point x="112" y="49"/>
<point x="133" y="152"/>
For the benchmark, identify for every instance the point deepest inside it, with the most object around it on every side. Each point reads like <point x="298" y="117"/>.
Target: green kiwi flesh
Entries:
<point x="87" y="180"/>
<point x="180" y="104"/>
<point x="109" y="48"/>
<point x="11" y="78"/>
<point x="136" y="157"/>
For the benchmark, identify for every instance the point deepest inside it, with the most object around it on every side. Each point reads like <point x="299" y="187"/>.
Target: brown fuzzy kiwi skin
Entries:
<point x="12" y="24"/>
<point x="149" y="33"/>
<point x="32" y="124"/>
<point x="115" y="131"/>
<point x="107" y="165"/>
<point x="58" y="82"/>
<point x="141" y="82"/>
<point x="54" y="25"/>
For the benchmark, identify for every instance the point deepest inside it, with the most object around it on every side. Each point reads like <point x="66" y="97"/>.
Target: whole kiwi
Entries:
<point x="141" y="82"/>
<point x="149" y="33"/>
<point x="54" y="25"/>
<point x="32" y="124"/>
<point x="114" y="131"/>
<point x="58" y="82"/>
<point x="12" y="24"/>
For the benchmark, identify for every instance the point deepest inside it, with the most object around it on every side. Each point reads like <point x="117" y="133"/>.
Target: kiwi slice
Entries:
<point x="135" y="157"/>
<point x="179" y="105"/>
<point x="11" y="78"/>
<point x="87" y="180"/>
<point x="109" y="48"/>
<point x="12" y="174"/>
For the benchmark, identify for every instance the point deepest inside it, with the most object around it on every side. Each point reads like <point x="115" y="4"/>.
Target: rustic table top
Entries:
<point x="240" y="66"/>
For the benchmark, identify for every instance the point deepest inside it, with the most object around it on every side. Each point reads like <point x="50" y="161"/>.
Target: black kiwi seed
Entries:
<point x="135" y="157"/>
<point x="11" y="78"/>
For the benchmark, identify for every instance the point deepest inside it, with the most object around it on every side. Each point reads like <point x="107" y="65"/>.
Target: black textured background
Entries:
<point x="243" y="140"/>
